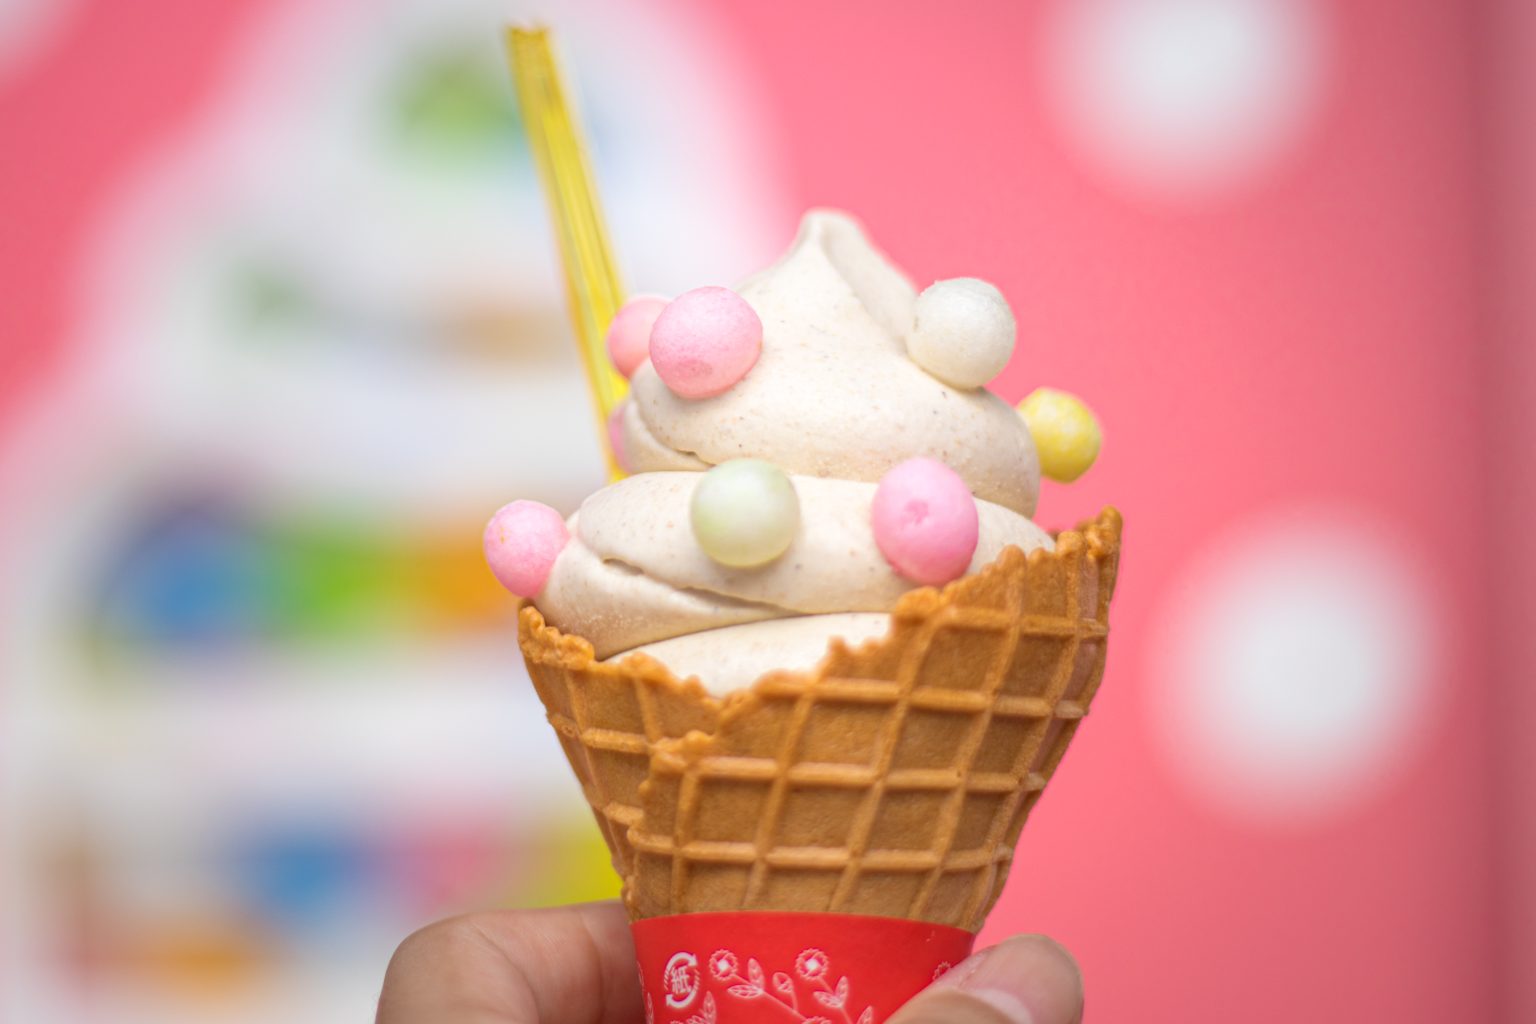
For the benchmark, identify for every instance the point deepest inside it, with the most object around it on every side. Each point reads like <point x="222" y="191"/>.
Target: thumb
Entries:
<point x="1027" y="979"/>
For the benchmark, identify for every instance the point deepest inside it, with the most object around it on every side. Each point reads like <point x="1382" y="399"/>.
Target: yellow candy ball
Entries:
<point x="1066" y="433"/>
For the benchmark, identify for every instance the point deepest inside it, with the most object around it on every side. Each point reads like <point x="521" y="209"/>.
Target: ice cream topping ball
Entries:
<point x="522" y="541"/>
<point x="1066" y="433"/>
<point x="705" y="341"/>
<point x="629" y="336"/>
<point x="744" y="512"/>
<point x="925" y="521"/>
<point x="964" y="332"/>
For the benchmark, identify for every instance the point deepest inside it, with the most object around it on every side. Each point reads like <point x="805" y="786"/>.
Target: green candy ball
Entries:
<point x="744" y="513"/>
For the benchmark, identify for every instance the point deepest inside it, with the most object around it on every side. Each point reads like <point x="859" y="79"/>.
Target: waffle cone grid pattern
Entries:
<point x="893" y="779"/>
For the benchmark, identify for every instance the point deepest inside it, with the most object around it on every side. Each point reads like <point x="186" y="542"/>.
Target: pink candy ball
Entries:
<point x="616" y="437"/>
<point x="925" y="521"/>
<point x="705" y="341"/>
<point x="629" y="336"/>
<point x="522" y="541"/>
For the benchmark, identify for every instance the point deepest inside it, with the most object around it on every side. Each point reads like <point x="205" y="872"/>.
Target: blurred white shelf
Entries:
<point x="462" y="726"/>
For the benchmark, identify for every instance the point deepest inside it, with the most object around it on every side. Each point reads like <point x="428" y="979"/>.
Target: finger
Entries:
<point x="567" y="964"/>
<point x="1027" y="979"/>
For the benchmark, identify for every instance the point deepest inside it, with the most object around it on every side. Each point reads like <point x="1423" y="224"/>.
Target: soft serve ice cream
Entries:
<point x="803" y="451"/>
<point x="811" y="661"/>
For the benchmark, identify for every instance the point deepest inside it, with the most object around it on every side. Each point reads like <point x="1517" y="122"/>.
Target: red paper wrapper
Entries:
<point x="781" y="968"/>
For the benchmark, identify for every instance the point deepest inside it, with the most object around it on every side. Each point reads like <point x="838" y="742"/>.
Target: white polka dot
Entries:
<point x="1184" y="97"/>
<point x="1289" y="669"/>
<point x="28" y="28"/>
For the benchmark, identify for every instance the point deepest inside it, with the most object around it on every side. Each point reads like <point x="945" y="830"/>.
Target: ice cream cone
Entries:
<point x="892" y="780"/>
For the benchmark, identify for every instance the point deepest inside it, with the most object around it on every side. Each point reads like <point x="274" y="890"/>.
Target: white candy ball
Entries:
<point x="964" y="332"/>
<point x="744" y="513"/>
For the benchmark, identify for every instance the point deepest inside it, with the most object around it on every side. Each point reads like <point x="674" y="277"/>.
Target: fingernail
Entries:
<point x="1027" y="979"/>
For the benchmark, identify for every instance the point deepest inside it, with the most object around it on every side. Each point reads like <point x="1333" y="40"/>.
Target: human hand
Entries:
<point x="576" y="965"/>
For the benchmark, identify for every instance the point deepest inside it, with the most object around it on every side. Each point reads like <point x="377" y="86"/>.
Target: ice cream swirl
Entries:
<point x="834" y="393"/>
<point x="833" y="400"/>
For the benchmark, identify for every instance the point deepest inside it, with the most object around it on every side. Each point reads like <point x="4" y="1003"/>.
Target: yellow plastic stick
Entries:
<point x="591" y="278"/>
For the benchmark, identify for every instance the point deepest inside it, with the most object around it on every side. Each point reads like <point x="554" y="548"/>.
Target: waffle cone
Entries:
<point x="893" y="779"/>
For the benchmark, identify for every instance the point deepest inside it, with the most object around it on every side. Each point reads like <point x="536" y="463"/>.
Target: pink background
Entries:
<point x="1306" y="338"/>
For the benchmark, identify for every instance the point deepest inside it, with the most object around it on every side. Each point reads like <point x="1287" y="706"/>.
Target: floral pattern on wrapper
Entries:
<point x="785" y="968"/>
<point x="807" y="996"/>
